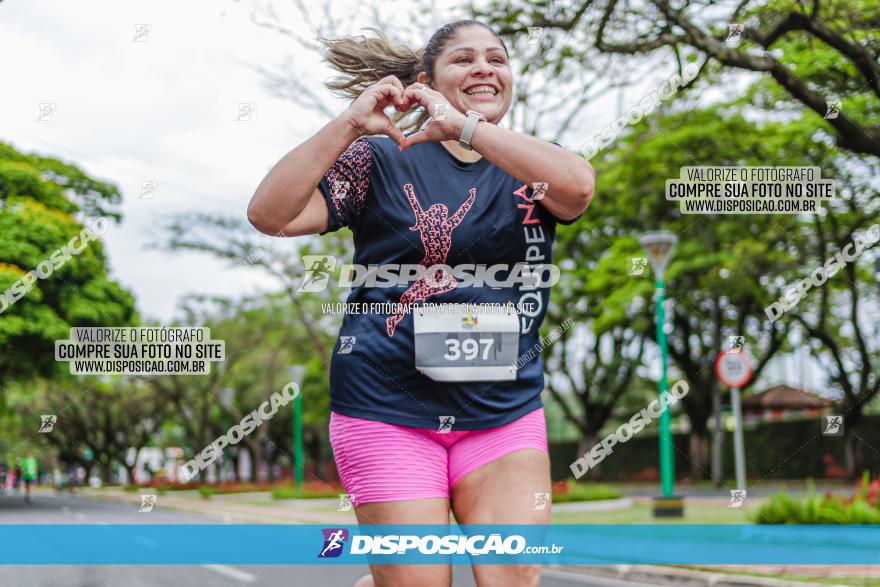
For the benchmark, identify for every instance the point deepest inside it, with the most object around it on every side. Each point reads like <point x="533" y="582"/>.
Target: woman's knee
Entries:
<point x="394" y="575"/>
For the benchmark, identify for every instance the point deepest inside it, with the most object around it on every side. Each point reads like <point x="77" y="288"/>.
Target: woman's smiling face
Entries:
<point x="473" y="73"/>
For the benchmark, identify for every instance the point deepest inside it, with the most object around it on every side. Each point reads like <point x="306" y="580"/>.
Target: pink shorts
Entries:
<point x="385" y="462"/>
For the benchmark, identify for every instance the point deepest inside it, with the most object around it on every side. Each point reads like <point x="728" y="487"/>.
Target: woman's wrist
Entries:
<point x="456" y="125"/>
<point x="349" y="125"/>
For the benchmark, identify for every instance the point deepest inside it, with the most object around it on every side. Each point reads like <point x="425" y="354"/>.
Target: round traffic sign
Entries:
<point x="734" y="369"/>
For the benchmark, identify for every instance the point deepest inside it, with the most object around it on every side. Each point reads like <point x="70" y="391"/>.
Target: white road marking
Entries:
<point x="232" y="572"/>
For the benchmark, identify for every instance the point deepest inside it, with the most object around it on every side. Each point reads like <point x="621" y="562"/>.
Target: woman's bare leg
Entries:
<point x="503" y="492"/>
<point x="415" y="511"/>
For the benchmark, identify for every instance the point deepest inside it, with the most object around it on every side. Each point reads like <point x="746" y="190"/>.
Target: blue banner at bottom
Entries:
<point x="262" y="544"/>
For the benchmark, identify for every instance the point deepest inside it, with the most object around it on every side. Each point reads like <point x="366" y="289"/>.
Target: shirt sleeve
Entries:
<point x="345" y="185"/>
<point x="559" y="220"/>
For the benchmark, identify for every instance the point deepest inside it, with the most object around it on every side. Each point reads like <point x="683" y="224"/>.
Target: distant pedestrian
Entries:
<point x="16" y="479"/>
<point x="30" y="471"/>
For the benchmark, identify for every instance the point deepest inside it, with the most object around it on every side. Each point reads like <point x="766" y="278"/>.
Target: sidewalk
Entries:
<point x="727" y="575"/>
<point x="234" y="508"/>
<point x="259" y="508"/>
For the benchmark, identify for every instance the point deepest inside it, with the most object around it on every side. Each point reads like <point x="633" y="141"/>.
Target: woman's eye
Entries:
<point x="498" y="60"/>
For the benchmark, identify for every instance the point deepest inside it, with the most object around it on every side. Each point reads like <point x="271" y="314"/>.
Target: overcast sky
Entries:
<point x="158" y="103"/>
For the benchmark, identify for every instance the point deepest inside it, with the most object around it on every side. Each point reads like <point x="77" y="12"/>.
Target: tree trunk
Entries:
<point x="256" y="453"/>
<point x="130" y="469"/>
<point x="699" y="453"/>
<point x="263" y="466"/>
<point x="235" y="458"/>
<point x="853" y="448"/>
<point x="314" y="450"/>
<point x="587" y="442"/>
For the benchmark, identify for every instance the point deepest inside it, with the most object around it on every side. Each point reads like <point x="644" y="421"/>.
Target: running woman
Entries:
<point x="430" y="410"/>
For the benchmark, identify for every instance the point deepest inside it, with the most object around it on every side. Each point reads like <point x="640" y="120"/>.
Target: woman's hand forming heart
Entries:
<point x="366" y="114"/>
<point x="445" y="123"/>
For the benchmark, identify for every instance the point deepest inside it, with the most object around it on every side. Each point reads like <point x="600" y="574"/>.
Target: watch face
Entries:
<point x="479" y="114"/>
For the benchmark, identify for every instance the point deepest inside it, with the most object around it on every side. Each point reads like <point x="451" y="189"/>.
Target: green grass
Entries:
<point x="586" y="492"/>
<point x="291" y="492"/>
<point x="159" y="489"/>
<point x="641" y="513"/>
<point x="269" y="502"/>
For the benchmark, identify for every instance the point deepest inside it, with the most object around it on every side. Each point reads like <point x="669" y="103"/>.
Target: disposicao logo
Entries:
<point x="334" y="539"/>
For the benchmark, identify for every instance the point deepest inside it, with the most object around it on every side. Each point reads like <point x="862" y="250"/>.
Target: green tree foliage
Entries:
<point x="43" y="204"/>
<point x="103" y="417"/>
<point x="813" y="52"/>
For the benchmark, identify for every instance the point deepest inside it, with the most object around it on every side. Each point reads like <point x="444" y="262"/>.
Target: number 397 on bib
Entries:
<point x="471" y="346"/>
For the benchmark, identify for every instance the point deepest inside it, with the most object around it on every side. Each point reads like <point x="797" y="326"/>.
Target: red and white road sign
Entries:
<point x="734" y="369"/>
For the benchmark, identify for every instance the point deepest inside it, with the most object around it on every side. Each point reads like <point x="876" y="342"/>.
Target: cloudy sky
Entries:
<point x="155" y="102"/>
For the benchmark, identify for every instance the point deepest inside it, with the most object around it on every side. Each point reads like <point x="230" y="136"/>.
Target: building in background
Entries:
<point x="783" y="402"/>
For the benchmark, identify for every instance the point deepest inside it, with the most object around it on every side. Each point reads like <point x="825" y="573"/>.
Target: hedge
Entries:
<point x="774" y="450"/>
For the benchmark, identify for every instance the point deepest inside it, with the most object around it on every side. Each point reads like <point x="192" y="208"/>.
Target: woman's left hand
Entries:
<point x="445" y="123"/>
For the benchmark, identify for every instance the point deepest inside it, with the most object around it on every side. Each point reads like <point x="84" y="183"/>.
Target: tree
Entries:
<point x="263" y="338"/>
<point x="40" y="200"/>
<point x="840" y="320"/>
<point x="719" y="276"/>
<point x="842" y="38"/>
<point x="107" y="416"/>
<point x="598" y="380"/>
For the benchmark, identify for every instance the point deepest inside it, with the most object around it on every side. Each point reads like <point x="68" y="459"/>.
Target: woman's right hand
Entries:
<point x="366" y="114"/>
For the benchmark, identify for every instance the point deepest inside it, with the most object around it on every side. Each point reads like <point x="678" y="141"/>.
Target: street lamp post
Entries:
<point x="659" y="247"/>
<point x="297" y="373"/>
<point x="227" y="394"/>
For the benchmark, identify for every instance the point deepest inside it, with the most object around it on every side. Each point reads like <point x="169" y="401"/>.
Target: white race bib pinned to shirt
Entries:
<point x="479" y="343"/>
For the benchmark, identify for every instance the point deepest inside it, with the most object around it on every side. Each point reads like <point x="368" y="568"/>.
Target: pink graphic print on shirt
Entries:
<point x="435" y="227"/>
<point x="349" y="181"/>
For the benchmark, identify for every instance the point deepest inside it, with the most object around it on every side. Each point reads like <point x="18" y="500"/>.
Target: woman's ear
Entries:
<point x="422" y="78"/>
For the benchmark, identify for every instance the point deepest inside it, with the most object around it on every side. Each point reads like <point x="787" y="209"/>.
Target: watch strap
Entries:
<point x="470" y="125"/>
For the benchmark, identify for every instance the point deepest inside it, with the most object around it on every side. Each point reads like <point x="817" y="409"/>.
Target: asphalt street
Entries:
<point x="49" y="508"/>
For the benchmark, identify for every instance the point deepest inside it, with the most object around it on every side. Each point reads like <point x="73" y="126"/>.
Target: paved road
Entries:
<point x="49" y="508"/>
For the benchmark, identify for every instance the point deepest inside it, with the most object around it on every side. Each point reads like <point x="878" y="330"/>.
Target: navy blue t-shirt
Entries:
<point x="490" y="218"/>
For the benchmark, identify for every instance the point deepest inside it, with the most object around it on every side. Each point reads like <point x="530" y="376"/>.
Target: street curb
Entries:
<point x="593" y="506"/>
<point x="164" y="506"/>
<point x="662" y="575"/>
<point x="225" y="516"/>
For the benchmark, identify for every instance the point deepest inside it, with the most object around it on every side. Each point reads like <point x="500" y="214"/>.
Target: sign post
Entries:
<point x="734" y="369"/>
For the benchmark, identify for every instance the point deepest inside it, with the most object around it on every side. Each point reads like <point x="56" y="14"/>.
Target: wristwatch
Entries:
<point x="467" y="131"/>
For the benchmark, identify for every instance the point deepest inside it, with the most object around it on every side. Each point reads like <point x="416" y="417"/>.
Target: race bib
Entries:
<point x="479" y="343"/>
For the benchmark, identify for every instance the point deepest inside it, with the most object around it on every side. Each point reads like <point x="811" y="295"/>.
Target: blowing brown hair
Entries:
<point x="363" y="61"/>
